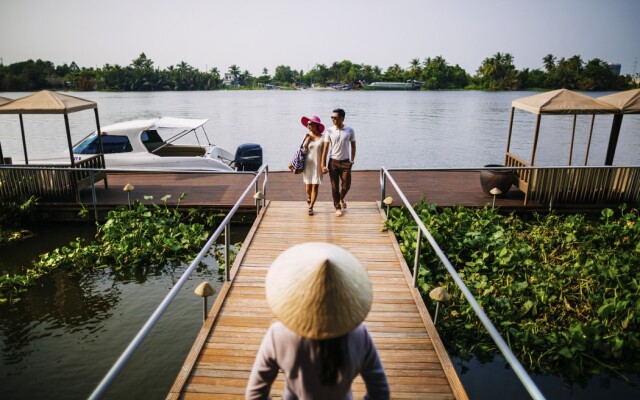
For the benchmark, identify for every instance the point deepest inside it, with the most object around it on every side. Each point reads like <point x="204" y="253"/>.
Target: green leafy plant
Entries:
<point x="144" y="237"/>
<point x="563" y="290"/>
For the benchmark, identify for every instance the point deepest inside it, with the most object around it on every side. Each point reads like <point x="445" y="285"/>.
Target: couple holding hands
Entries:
<point x="339" y="142"/>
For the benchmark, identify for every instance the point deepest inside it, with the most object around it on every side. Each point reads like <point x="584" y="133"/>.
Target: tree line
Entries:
<point x="497" y="72"/>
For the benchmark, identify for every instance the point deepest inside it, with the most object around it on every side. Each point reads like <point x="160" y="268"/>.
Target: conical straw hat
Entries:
<point x="319" y="290"/>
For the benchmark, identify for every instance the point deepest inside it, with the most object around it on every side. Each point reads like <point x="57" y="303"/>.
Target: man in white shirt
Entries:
<point x="342" y="138"/>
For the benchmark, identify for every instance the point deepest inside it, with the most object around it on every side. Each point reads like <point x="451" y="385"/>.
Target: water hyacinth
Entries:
<point x="561" y="289"/>
<point x="141" y="237"/>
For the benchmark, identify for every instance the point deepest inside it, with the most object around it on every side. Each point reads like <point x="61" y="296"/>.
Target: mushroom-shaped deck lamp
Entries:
<point x="259" y="196"/>
<point x="204" y="290"/>
<point x="128" y="188"/>
<point x="440" y="295"/>
<point x="495" y="192"/>
<point x="388" y="202"/>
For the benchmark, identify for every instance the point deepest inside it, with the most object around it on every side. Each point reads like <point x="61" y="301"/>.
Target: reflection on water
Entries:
<point x="496" y="380"/>
<point x="61" y="305"/>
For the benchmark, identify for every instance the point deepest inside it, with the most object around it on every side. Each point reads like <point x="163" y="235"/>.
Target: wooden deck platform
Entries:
<point x="413" y="356"/>
<point x="443" y="188"/>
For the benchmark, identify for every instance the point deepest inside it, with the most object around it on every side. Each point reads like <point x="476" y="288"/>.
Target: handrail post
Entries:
<point x="255" y="190"/>
<point x="416" y="261"/>
<point x="264" y="183"/>
<point x="383" y="184"/>
<point x="227" y="241"/>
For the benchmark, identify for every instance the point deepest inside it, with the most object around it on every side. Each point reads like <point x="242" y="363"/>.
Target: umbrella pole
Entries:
<point x="104" y="164"/>
<point x="509" y="135"/>
<point x="66" y="124"/>
<point x="613" y="138"/>
<point x="586" y="157"/>
<point x="24" y="141"/>
<point x="535" y="141"/>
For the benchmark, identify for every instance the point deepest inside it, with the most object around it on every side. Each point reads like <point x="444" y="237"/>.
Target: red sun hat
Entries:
<point x="315" y="119"/>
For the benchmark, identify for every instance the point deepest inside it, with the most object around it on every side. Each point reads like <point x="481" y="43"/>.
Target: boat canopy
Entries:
<point x="156" y="123"/>
<point x="178" y="123"/>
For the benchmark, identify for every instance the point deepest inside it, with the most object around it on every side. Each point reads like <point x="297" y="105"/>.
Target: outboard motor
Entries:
<point x="248" y="157"/>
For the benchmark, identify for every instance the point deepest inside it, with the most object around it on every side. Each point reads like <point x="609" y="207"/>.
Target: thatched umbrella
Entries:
<point x="46" y="102"/>
<point x="627" y="102"/>
<point x="558" y="102"/>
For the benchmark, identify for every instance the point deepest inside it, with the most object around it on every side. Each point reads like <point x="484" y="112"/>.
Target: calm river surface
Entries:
<point x="393" y="129"/>
<point x="60" y="341"/>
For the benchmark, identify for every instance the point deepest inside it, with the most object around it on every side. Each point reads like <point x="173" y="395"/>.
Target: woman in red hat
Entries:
<point x="312" y="173"/>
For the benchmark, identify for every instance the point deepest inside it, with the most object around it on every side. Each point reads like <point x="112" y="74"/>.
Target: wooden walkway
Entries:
<point x="413" y="356"/>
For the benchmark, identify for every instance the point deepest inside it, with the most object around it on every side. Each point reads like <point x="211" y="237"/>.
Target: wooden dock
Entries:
<point x="413" y="356"/>
<point x="443" y="188"/>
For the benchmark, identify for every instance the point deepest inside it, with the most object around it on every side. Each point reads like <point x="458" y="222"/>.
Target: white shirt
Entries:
<point x="340" y="140"/>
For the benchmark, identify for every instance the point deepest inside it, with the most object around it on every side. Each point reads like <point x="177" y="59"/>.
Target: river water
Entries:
<point x="60" y="341"/>
<point x="393" y="129"/>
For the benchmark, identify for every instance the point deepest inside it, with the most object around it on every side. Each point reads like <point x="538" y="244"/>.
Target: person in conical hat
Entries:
<point x="320" y="293"/>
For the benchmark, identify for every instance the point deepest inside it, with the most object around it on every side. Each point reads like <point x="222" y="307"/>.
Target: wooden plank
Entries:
<point x="410" y="350"/>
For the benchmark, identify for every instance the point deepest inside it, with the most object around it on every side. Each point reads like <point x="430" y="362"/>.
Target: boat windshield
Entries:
<point x="110" y="143"/>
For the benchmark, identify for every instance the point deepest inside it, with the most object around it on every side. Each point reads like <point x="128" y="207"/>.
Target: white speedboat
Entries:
<point x="151" y="144"/>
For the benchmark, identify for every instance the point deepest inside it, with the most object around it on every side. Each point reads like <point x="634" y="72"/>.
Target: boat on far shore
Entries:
<point x="408" y="85"/>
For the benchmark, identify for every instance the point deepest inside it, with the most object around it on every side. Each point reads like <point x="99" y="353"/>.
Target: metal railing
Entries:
<point x="522" y="375"/>
<point x="144" y="331"/>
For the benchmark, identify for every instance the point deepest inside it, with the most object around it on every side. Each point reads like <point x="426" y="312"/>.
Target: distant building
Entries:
<point x="615" y="68"/>
<point x="230" y="80"/>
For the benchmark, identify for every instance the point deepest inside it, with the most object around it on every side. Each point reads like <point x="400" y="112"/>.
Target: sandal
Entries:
<point x="338" y="213"/>
<point x="343" y="204"/>
<point x="311" y="211"/>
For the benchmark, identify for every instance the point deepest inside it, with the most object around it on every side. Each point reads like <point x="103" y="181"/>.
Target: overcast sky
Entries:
<point x="257" y="34"/>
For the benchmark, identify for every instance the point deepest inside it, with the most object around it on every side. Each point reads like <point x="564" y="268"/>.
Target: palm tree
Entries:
<point x="549" y="63"/>
<point x="414" y="70"/>
<point x="235" y="70"/>
<point x="498" y="72"/>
